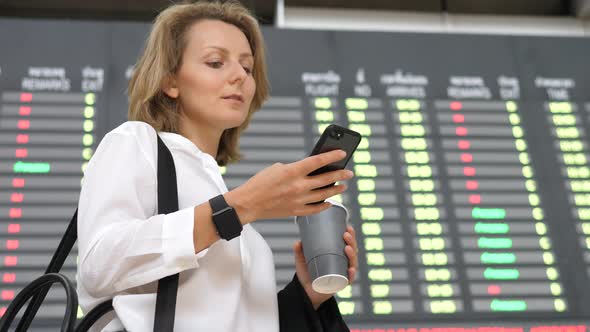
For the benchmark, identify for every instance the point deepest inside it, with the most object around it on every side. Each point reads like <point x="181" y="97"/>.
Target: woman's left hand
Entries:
<point x="303" y="273"/>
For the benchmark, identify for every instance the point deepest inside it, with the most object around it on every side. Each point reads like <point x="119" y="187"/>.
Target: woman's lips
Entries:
<point x="234" y="97"/>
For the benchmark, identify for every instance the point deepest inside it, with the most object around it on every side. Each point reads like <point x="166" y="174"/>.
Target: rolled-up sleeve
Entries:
<point x="122" y="241"/>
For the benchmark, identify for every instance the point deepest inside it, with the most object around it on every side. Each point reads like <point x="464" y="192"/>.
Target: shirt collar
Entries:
<point x="184" y="143"/>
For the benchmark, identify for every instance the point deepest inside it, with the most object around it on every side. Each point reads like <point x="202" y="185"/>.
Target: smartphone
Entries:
<point x="336" y="137"/>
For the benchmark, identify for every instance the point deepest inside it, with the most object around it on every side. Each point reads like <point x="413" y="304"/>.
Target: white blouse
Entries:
<point x="124" y="246"/>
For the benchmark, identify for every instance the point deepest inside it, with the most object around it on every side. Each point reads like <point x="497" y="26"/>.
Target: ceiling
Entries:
<point x="509" y="7"/>
<point x="141" y="10"/>
<point x="145" y="10"/>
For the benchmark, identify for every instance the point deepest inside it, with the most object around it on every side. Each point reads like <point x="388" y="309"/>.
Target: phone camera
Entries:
<point x="337" y="134"/>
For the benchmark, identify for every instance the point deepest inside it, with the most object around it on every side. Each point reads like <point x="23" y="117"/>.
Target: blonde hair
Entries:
<point x="162" y="57"/>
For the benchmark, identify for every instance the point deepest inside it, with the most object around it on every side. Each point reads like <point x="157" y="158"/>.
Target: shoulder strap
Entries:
<point x="167" y="286"/>
<point x="167" y="203"/>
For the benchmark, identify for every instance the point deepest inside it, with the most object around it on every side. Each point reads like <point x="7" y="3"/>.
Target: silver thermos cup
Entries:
<point x="323" y="247"/>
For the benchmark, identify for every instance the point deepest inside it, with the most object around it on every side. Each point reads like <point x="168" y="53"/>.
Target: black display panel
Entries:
<point x="471" y="198"/>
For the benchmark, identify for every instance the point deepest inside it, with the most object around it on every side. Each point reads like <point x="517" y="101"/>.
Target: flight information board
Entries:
<point x="471" y="195"/>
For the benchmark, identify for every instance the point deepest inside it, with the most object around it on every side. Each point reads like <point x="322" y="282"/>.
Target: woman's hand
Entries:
<point x="303" y="273"/>
<point x="284" y="190"/>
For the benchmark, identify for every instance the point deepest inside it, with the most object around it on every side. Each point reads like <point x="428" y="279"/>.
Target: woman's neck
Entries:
<point x="204" y="137"/>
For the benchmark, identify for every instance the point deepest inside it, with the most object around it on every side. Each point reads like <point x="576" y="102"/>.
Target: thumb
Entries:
<point x="300" y="264"/>
<point x="298" y="250"/>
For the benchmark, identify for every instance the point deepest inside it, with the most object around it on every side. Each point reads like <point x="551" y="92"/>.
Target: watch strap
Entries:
<point x="218" y="204"/>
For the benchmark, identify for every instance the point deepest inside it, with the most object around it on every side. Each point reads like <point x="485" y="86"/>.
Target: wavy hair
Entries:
<point x="162" y="57"/>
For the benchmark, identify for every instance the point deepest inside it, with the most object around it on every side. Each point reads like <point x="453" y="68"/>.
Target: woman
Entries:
<point x="200" y="78"/>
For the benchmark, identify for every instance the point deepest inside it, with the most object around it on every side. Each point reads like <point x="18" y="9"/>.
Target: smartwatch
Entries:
<point x="225" y="218"/>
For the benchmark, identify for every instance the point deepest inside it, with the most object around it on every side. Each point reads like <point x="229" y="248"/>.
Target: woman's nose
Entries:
<point x="238" y="73"/>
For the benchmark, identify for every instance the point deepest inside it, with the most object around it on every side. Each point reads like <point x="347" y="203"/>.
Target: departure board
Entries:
<point x="471" y="195"/>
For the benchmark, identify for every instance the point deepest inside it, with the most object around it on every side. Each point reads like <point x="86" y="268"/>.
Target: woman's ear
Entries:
<point x="169" y="87"/>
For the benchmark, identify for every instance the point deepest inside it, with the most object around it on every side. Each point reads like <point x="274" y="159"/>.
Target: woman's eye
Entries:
<point x="248" y="70"/>
<point x="215" y="64"/>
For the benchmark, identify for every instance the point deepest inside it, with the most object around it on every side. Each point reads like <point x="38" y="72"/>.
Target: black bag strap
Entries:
<point x="167" y="286"/>
<point x="38" y="285"/>
<point x="167" y="203"/>
<point x="57" y="261"/>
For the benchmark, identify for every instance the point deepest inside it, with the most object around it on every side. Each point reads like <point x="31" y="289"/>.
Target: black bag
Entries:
<point x="38" y="289"/>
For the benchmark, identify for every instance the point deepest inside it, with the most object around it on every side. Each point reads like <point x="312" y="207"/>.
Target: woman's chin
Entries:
<point x="233" y="121"/>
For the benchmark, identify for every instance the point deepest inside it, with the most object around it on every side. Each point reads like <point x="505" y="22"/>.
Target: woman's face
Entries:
<point x="214" y="84"/>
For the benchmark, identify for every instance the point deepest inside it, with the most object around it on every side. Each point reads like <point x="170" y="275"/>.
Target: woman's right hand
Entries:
<point x="284" y="190"/>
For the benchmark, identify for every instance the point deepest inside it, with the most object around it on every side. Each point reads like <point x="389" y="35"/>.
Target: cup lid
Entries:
<point x="340" y="205"/>
<point x="334" y="203"/>
<point x="329" y="283"/>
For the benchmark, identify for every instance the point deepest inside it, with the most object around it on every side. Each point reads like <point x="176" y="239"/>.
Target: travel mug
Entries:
<point x="323" y="247"/>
